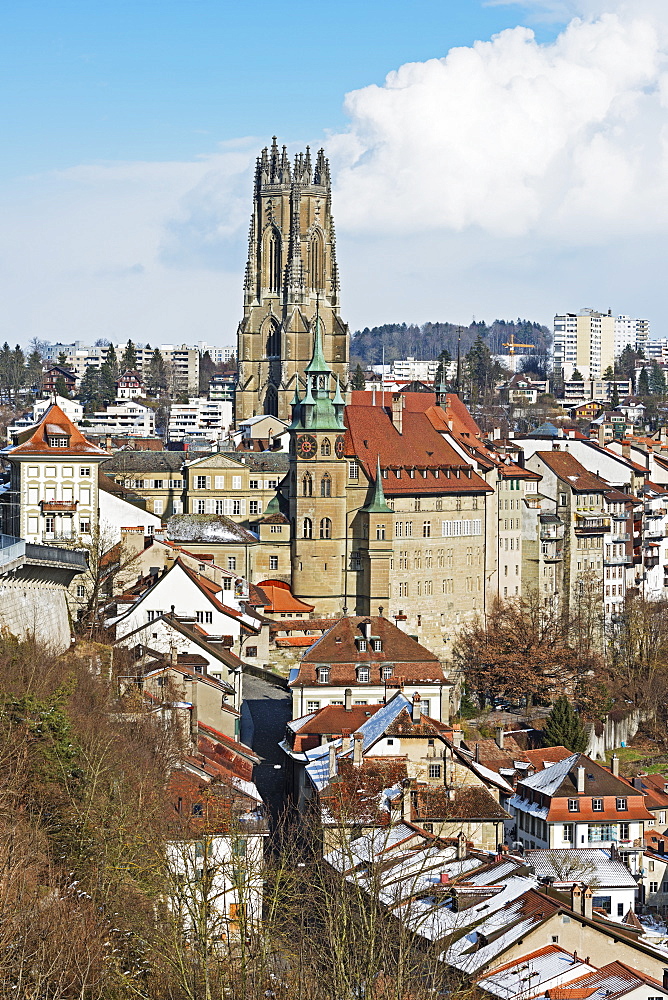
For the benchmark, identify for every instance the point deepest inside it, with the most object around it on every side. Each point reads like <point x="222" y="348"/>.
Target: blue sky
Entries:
<point x="488" y="159"/>
<point x="169" y="79"/>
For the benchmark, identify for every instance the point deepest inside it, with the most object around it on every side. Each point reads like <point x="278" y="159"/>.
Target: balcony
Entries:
<point x="654" y="531"/>
<point x="620" y="538"/>
<point x="58" y="506"/>
<point x="591" y="524"/>
<point x="624" y="560"/>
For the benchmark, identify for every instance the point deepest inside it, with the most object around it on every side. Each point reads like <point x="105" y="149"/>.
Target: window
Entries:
<point x="49" y="524"/>
<point x="568" y="833"/>
<point x="58" y="442"/>
<point x="602" y="903"/>
<point x="573" y="805"/>
<point x="231" y="562"/>
<point x="597" y="805"/>
<point x="361" y="645"/>
<point x="84" y="527"/>
<point x="254" y="484"/>
<point x="204" y="617"/>
<point x="326" y="486"/>
<point x="84" y="472"/>
<point x="307" y="485"/>
<point x="600" y="832"/>
<point x="326" y="448"/>
<point x="158" y="506"/>
<point x="363" y="675"/>
<point x="424" y="704"/>
<point x="255" y="507"/>
<point x="654" y="887"/>
<point x="376" y="645"/>
<point x="275" y="529"/>
<point x="236" y="482"/>
<point x="227" y="583"/>
<point x="380" y="532"/>
<point x="307" y="528"/>
<point x="200" y="506"/>
<point x="434" y="770"/>
<point x="326" y="528"/>
<point x="353" y="470"/>
<point x="624" y="834"/>
<point x="200" y="482"/>
<point x="621" y="805"/>
<point x="81" y="590"/>
<point x="312" y="706"/>
<point x="386" y="673"/>
<point x="323" y="675"/>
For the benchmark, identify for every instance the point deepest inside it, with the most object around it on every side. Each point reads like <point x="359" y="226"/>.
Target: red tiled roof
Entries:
<point x="295" y="641"/>
<point x="55" y="423"/>
<point x="281" y="598"/>
<point x="568" y="469"/>
<point x="371" y="436"/>
<point x="338" y="645"/>
<point x="335" y="718"/>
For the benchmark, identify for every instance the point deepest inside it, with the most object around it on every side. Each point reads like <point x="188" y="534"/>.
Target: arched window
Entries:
<point x="271" y="260"/>
<point x="326" y="448"/>
<point x="307" y="528"/>
<point x="307" y="485"/>
<point x="317" y="262"/>
<point x="326" y="485"/>
<point x="325" y="528"/>
<point x="273" y="341"/>
<point x="271" y="401"/>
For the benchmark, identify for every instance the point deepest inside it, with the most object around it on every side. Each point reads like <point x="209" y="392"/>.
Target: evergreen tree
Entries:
<point x="609" y="374"/>
<point x="643" y="383"/>
<point x="358" y="381"/>
<point x="657" y="381"/>
<point x="614" y="399"/>
<point x="129" y="357"/>
<point x="207" y="369"/>
<point x="112" y="362"/>
<point x="577" y="376"/>
<point x="62" y="358"/>
<point x="480" y="367"/>
<point x="563" y="727"/>
<point x="34" y="371"/>
<point x="156" y="379"/>
<point x="626" y="362"/>
<point x="107" y="384"/>
<point x="90" y="390"/>
<point x="61" y="387"/>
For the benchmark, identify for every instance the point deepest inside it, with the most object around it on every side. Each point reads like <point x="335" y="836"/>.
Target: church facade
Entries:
<point x="291" y="277"/>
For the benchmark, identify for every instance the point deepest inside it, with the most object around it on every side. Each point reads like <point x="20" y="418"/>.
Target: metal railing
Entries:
<point x="11" y="548"/>
<point x="55" y="554"/>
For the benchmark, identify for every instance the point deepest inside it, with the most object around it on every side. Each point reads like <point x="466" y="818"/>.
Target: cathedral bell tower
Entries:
<point x="291" y="275"/>
<point x="317" y="497"/>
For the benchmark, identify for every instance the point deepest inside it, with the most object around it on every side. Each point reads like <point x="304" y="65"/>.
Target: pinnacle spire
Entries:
<point x="378" y="503"/>
<point x="317" y="362"/>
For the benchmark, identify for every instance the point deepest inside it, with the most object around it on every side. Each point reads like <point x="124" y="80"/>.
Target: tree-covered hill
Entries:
<point x="426" y="342"/>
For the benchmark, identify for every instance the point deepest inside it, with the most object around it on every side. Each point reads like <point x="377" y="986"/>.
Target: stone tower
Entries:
<point x="291" y="275"/>
<point x="317" y="491"/>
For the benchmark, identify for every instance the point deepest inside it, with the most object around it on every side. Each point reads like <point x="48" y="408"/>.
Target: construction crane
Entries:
<point x="511" y="345"/>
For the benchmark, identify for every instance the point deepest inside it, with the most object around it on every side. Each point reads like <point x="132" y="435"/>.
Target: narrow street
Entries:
<point x="269" y="707"/>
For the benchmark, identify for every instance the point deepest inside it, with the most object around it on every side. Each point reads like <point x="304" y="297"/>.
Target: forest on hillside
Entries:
<point x="426" y="342"/>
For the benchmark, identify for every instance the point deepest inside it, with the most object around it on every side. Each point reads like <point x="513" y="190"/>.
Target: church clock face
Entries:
<point x="338" y="446"/>
<point x="307" y="446"/>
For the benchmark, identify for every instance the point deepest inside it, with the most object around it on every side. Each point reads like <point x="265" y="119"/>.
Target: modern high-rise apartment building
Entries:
<point x="589" y="341"/>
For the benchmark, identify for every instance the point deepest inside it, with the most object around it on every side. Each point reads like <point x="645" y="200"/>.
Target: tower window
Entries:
<point x="307" y="528"/>
<point x="380" y="532"/>
<point x="326" y="447"/>
<point x="272" y="260"/>
<point x="353" y="470"/>
<point x="326" y="486"/>
<point x="307" y="485"/>
<point x="326" y="528"/>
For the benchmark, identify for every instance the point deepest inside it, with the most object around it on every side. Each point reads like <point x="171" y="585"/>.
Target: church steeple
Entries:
<point x="291" y="275"/>
<point x="378" y="503"/>
<point x="318" y="410"/>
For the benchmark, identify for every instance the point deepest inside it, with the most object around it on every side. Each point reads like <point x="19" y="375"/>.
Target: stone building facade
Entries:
<point x="291" y="275"/>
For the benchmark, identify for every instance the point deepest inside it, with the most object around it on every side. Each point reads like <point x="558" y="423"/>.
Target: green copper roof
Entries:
<point x="317" y="364"/>
<point x="378" y="504"/>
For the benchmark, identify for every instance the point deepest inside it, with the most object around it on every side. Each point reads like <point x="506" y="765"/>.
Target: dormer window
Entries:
<point x="323" y="675"/>
<point x="361" y="645"/>
<point x="363" y="675"/>
<point x="59" y="442"/>
<point x="386" y="673"/>
<point x="376" y="645"/>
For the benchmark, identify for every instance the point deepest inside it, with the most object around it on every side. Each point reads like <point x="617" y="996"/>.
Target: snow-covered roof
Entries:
<point x="549" y="780"/>
<point x="550" y="966"/>
<point x="583" y="863"/>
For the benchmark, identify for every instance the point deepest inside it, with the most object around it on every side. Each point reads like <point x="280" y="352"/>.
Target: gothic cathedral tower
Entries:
<point x="291" y="275"/>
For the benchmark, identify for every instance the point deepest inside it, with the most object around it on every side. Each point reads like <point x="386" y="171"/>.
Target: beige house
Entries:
<point x="156" y="475"/>
<point x="240" y="489"/>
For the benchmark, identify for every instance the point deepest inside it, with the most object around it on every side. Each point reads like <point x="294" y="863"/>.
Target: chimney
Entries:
<point x="366" y="628"/>
<point x="445" y="878"/>
<point x="348" y="699"/>
<point x="614" y="765"/>
<point x="194" y="715"/>
<point x="637" y="783"/>
<point x="346" y="740"/>
<point x="576" y="898"/>
<point x="500" y="732"/>
<point x="661" y="846"/>
<point x="461" y="846"/>
<point x="457" y="736"/>
<point x="587" y="903"/>
<point x="416" y="713"/>
<point x="581" y="780"/>
<point x="173" y="656"/>
<point x="357" y="748"/>
<point x="407" y="804"/>
<point x="331" y="770"/>
<point x="397" y="410"/>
